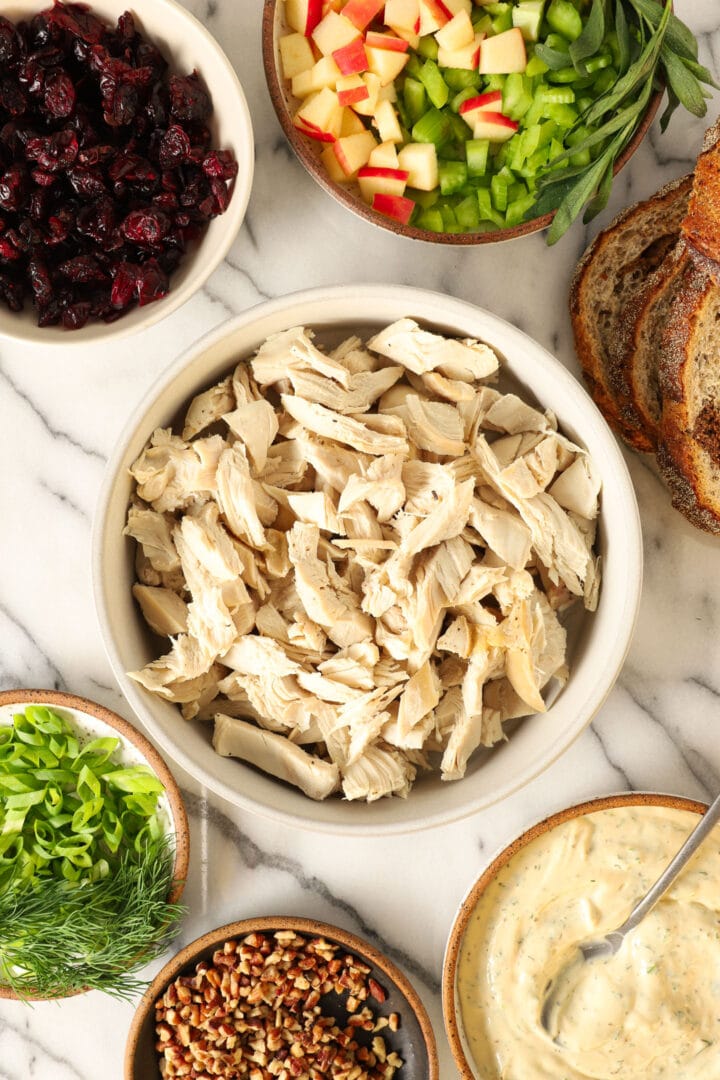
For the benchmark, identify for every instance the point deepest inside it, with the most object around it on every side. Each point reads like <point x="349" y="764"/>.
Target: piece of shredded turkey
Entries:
<point x="360" y="558"/>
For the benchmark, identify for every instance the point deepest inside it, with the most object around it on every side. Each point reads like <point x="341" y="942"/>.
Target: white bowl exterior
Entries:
<point x="187" y="45"/>
<point x="605" y="637"/>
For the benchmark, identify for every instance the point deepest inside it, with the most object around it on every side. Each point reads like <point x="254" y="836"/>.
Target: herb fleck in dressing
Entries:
<point x="651" y="1011"/>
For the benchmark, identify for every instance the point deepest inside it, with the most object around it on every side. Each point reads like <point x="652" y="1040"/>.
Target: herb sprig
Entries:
<point x="65" y="937"/>
<point x="655" y="47"/>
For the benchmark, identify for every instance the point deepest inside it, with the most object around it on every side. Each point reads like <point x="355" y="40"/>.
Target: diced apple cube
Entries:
<point x="394" y="206"/>
<point x="325" y="73"/>
<point x="386" y="63"/>
<point x="456" y="34"/>
<point x="410" y="36"/>
<point x="384" y="156"/>
<point x="296" y="54"/>
<point x="385" y="41"/>
<point x="503" y="53"/>
<point x="351" y="124"/>
<point x="362" y="12"/>
<point x="353" y="151"/>
<point x="352" y="58"/>
<point x="454" y="6"/>
<point x="527" y="16"/>
<point x="367" y="108"/>
<point x="387" y="123"/>
<point x="303" y="15"/>
<point x="403" y="15"/>
<point x="470" y="109"/>
<point x="494" y="126"/>
<point x="388" y="93"/>
<point x="433" y="16"/>
<point x="351" y="89"/>
<point x="321" y="113"/>
<point x="373" y="180"/>
<point x="420" y="161"/>
<point x="466" y="58"/>
<point x="333" y="33"/>
<point x="332" y="165"/>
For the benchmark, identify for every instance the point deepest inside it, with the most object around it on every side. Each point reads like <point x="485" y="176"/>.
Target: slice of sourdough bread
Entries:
<point x="633" y="368"/>
<point x="611" y="272"/>
<point x="689" y="371"/>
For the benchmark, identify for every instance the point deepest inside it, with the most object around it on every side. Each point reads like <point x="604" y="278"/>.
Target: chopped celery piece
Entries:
<point x="565" y="75"/>
<point x="494" y="82"/>
<point x="518" y="208"/>
<point x="450" y="222"/>
<point x="556" y="149"/>
<point x="432" y="80"/>
<point x="564" y="115"/>
<point x="482" y="23"/>
<point x="496" y="8"/>
<point x="558" y="95"/>
<point x="464" y="95"/>
<point x="535" y="66"/>
<point x="517" y="96"/>
<point x="605" y="81"/>
<point x="536" y="161"/>
<point x="499" y="192"/>
<point x="503" y="22"/>
<point x="428" y="47"/>
<point x="413" y="67"/>
<point x="430" y="219"/>
<point x="558" y="43"/>
<point x="415" y="99"/>
<point x="527" y="15"/>
<point x="460" y="79"/>
<point x="424" y="199"/>
<point x="467" y="213"/>
<point x="565" y="19"/>
<point x="453" y="176"/>
<point x="476" y="151"/>
<point x="486" y="210"/>
<point x="582" y="158"/>
<point x="433" y="127"/>
<point x="597" y="63"/>
<point x="584" y="103"/>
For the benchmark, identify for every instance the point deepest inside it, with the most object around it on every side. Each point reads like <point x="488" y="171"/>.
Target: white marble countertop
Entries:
<point x="59" y="417"/>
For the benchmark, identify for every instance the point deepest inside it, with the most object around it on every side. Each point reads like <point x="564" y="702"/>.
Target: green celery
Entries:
<point x="428" y="47"/>
<point x="432" y="80"/>
<point x="415" y="99"/>
<point x="433" y="126"/>
<point x="565" y="19"/>
<point x="431" y="219"/>
<point x="476" y="151"/>
<point x="467" y="213"/>
<point x="453" y="176"/>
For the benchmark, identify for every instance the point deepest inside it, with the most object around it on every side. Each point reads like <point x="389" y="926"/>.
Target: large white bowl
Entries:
<point x="598" y="642"/>
<point x="186" y="45"/>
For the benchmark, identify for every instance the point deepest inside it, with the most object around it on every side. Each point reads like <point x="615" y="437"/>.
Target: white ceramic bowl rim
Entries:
<point x="373" y="304"/>
<point x="206" y="256"/>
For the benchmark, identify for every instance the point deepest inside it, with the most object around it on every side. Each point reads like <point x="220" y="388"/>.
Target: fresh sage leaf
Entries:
<point x="591" y="38"/>
<point x="683" y="84"/>
<point x="554" y="59"/>
<point x="680" y="37"/>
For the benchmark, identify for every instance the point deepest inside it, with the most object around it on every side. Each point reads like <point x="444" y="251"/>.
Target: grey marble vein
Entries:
<point x="55" y="433"/>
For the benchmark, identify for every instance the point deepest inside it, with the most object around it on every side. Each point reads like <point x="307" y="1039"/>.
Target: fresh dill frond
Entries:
<point x="65" y="937"/>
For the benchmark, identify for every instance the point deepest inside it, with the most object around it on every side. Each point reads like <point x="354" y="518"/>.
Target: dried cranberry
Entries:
<point x="42" y="178"/>
<point x="222" y="164"/>
<point x="153" y="283"/>
<point x="78" y="20"/>
<point x="9" y="42"/>
<point x="82" y="268"/>
<point x="11" y="292"/>
<point x="12" y="98"/>
<point x="146" y="227"/>
<point x="59" y="94"/>
<point x="98" y="221"/>
<point x="53" y="152"/>
<point x="13" y="187"/>
<point x="87" y="183"/>
<point x="125" y="285"/>
<point x="189" y="100"/>
<point x="174" y="147"/>
<point x="40" y="280"/>
<point x="75" y="316"/>
<point x="8" y="251"/>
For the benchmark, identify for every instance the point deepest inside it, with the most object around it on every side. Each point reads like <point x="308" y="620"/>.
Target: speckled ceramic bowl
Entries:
<point x="188" y="45"/>
<point x="597" y="643"/>
<point x="98" y="721"/>
<point x="309" y="151"/>
<point x="451" y="1010"/>
<point x="414" y="1040"/>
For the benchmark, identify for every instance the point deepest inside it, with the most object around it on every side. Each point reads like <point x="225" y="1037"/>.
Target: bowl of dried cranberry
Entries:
<point x="284" y="997"/>
<point x="126" y="163"/>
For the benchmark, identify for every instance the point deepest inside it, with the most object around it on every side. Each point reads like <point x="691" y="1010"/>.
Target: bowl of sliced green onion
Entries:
<point x="93" y="849"/>
<point x="474" y="121"/>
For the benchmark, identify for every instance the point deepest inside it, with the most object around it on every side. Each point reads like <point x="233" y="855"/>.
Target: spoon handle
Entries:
<point x="663" y="883"/>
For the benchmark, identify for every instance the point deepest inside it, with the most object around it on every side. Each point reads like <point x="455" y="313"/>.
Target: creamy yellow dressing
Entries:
<point x="651" y="1012"/>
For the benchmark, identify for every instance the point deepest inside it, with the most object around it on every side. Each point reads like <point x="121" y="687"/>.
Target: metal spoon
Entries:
<point x="609" y="945"/>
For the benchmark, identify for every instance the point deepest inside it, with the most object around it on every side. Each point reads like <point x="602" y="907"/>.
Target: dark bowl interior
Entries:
<point x="413" y="1041"/>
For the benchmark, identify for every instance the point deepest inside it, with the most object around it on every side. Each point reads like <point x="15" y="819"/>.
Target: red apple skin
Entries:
<point x="351" y="97"/>
<point x="382" y="173"/>
<point x="315" y="133"/>
<point x="385" y="41"/>
<point x="352" y="58"/>
<point x="438" y="9"/>
<point x="314" y="15"/>
<point x="394" y="206"/>
<point x="481" y="101"/>
<point x="498" y="118"/>
<point x="362" y="12"/>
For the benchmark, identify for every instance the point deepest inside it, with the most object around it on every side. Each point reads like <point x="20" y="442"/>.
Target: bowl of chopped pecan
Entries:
<point x="284" y="997"/>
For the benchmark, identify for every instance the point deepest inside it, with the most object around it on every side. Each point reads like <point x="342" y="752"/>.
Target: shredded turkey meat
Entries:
<point x="361" y="558"/>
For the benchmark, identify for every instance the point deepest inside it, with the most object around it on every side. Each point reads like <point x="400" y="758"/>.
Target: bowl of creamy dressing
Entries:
<point x="648" y="1013"/>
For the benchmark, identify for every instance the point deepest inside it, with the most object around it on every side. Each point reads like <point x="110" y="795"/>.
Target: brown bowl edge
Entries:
<point x="603" y="802"/>
<point x="277" y="922"/>
<point x="62" y="700"/>
<point x="300" y="145"/>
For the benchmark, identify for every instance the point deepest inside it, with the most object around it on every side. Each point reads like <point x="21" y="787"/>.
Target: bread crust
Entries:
<point x="592" y="355"/>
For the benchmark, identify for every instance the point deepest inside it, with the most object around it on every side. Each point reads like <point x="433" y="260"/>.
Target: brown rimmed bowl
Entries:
<point x="414" y="1040"/>
<point x="309" y="151"/>
<point x="451" y="1011"/>
<point x="95" y="719"/>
